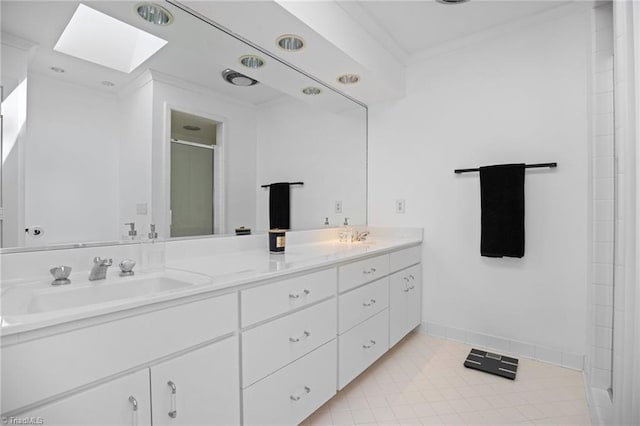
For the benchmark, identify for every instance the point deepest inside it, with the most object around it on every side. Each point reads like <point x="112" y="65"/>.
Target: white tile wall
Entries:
<point x="598" y="359"/>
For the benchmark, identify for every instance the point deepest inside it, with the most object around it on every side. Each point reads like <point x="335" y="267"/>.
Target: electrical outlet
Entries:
<point x="338" y="207"/>
<point x="399" y="206"/>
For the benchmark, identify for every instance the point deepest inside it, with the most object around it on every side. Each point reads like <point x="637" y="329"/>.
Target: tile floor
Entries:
<point x="422" y="381"/>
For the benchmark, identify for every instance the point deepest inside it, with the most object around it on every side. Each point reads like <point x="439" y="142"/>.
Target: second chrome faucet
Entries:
<point x="99" y="270"/>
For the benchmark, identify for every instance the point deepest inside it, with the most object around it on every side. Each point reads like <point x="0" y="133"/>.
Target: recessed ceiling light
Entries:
<point x="251" y="61"/>
<point x="349" y="78"/>
<point x="238" y="79"/>
<point x="290" y="42"/>
<point x="57" y="69"/>
<point x="190" y="127"/>
<point x="311" y="90"/>
<point x="107" y="83"/>
<point x="89" y="35"/>
<point x="451" y="1"/>
<point x="154" y="13"/>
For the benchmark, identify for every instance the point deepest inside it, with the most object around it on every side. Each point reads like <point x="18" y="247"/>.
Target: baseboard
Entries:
<point x="499" y="344"/>
<point x="600" y="405"/>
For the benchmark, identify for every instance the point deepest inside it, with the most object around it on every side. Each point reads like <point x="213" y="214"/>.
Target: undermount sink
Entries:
<point x="30" y="299"/>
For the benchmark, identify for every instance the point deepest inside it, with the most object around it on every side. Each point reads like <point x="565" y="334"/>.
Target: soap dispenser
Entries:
<point x="152" y="255"/>
<point x="346" y="232"/>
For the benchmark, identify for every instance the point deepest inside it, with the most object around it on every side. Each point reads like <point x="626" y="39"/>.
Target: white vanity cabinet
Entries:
<point x="405" y="294"/>
<point x="265" y="352"/>
<point x="197" y="387"/>
<point x="123" y="401"/>
<point x="364" y="316"/>
<point x="289" y="361"/>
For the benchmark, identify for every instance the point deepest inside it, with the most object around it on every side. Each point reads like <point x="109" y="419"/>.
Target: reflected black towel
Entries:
<point x="279" y="205"/>
<point x="502" y="204"/>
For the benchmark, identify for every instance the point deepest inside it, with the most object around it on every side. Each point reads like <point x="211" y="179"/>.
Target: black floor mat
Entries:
<point x="492" y="363"/>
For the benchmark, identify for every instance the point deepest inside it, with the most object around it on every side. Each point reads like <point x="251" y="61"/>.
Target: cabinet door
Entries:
<point x="124" y="401"/>
<point x="200" y="387"/>
<point x="405" y="302"/>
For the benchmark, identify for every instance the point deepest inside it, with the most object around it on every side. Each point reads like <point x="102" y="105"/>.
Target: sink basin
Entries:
<point x="26" y="300"/>
<point x="99" y="293"/>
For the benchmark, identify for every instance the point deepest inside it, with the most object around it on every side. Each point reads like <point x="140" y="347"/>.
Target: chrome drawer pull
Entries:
<point x="370" y="271"/>
<point x="134" y="414"/>
<point x="307" y="390"/>
<point x="368" y="346"/>
<point x="133" y="402"/>
<point x="369" y="303"/>
<point x="297" y="339"/>
<point x="174" y="412"/>
<point x="305" y="292"/>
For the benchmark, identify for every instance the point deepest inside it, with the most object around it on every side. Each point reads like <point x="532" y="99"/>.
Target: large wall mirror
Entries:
<point x="114" y="114"/>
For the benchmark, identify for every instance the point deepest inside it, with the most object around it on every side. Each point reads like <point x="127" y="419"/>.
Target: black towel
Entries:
<point x="279" y="205"/>
<point x="502" y="204"/>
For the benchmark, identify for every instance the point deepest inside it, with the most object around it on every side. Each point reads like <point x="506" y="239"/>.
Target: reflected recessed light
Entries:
<point x="349" y="78"/>
<point x="89" y="35"/>
<point x="290" y="42"/>
<point x="154" y="14"/>
<point x="451" y="1"/>
<point x="311" y="90"/>
<point x="107" y="83"/>
<point x="57" y="69"/>
<point x="190" y="127"/>
<point x="238" y="79"/>
<point x="251" y="61"/>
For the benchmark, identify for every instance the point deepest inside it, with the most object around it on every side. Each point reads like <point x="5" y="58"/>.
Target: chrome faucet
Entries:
<point x="99" y="270"/>
<point x="360" y="236"/>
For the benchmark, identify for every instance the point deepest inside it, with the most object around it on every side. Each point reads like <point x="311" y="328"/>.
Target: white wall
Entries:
<point x="325" y="150"/>
<point x="518" y="98"/>
<point x="134" y="165"/>
<point x="72" y="131"/>
<point x="14" y="114"/>
<point x="239" y="145"/>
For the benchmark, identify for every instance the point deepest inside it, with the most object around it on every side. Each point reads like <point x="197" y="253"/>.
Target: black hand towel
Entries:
<point x="502" y="204"/>
<point x="279" y="205"/>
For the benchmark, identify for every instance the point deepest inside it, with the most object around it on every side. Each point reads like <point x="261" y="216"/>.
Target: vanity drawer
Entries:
<point x="364" y="271"/>
<point x="62" y="362"/>
<point x="362" y="303"/>
<point x="275" y="344"/>
<point x="361" y="346"/>
<point x="290" y="395"/>
<point x="404" y="258"/>
<point x="269" y="300"/>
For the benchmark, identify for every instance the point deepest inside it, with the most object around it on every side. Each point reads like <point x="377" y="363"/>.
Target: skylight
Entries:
<point x="101" y="39"/>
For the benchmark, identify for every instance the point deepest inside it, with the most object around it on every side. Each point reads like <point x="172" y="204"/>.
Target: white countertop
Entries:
<point x="207" y="275"/>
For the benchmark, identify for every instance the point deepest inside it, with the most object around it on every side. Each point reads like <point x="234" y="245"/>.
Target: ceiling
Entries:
<point x="196" y="53"/>
<point x="414" y="26"/>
